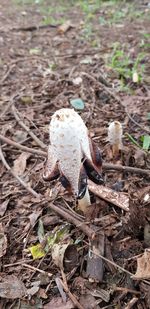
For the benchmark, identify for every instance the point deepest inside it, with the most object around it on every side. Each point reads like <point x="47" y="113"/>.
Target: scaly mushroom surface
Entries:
<point x="72" y="155"/>
<point x="115" y="133"/>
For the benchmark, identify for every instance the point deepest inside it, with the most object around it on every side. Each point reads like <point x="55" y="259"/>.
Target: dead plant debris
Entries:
<point x="94" y="58"/>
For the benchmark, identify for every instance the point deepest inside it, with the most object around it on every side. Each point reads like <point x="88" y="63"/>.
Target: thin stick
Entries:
<point x="11" y="101"/>
<point x="14" y="62"/>
<point x="131" y="303"/>
<point x="7" y="74"/>
<point x="66" y="215"/>
<point x="21" y="147"/>
<point x="71" y="296"/>
<point x="23" y="125"/>
<point x="106" y="166"/>
<point x="34" y="193"/>
<point x="129" y="169"/>
<point x="121" y="289"/>
<point x="34" y="28"/>
<point x="136" y="123"/>
<point x="36" y="269"/>
<point x="117" y="266"/>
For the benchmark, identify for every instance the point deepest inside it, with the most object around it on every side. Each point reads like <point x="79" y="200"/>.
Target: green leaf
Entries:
<point x="77" y="103"/>
<point x="57" y="236"/>
<point x="37" y="251"/>
<point x="146" y="142"/>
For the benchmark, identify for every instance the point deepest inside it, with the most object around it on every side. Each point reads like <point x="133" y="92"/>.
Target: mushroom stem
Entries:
<point x="115" y="137"/>
<point x="115" y="149"/>
<point x="84" y="202"/>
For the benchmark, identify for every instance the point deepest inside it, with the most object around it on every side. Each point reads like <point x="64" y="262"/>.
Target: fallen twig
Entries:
<point x="8" y="71"/>
<point x="136" y="123"/>
<point x="21" y="147"/>
<point x="11" y="101"/>
<point x="63" y="213"/>
<point x="117" y="266"/>
<point x="34" y="28"/>
<point x="71" y="296"/>
<point x="69" y="217"/>
<point x="36" y="269"/>
<point x="131" y="303"/>
<point x="34" y="193"/>
<point x="22" y="124"/>
<point x="126" y="290"/>
<point x="123" y="168"/>
<point x="14" y="62"/>
<point x="106" y="166"/>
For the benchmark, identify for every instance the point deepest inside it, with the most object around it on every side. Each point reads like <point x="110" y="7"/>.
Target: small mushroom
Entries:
<point x="115" y="137"/>
<point x="72" y="155"/>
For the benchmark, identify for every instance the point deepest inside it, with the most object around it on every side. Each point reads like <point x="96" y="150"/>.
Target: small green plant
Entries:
<point x="125" y="66"/>
<point x="145" y="42"/>
<point x="144" y="142"/>
<point x="87" y="31"/>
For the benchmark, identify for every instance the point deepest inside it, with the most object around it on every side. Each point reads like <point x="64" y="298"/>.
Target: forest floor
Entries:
<point x="52" y="52"/>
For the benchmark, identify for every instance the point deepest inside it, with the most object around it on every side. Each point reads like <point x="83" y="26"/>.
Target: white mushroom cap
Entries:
<point x="69" y="144"/>
<point x="115" y="133"/>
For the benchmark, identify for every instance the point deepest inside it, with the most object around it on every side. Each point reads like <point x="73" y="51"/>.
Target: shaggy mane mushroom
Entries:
<point x="72" y="155"/>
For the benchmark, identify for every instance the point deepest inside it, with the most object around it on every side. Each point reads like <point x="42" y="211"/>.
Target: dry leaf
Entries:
<point x="64" y="27"/>
<point x="117" y="198"/>
<point x="95" y="265"/>
<point x="59" y="304"/>
<point x="3" y="241"/>
<point x="143" y="266"/>
<point x="33" y="217"/>
<point x="34" y="289"/>
<point x="11" y="287"/>
<point x="20" y="163"/>
<point x="88" y="301"/>
<point x="3" y="207"/>
<point x="19" y="136"/>
<point x="65" y="256"/>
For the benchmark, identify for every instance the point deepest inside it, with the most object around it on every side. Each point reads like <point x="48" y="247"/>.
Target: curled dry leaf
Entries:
<point x="3" y="241"/>
<point x="11" y="287"/>
<point x="20" y="163"/>
<point x="143" y="266"/>
<point x="117" y="198"/>
<point x="65" y="256"/>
